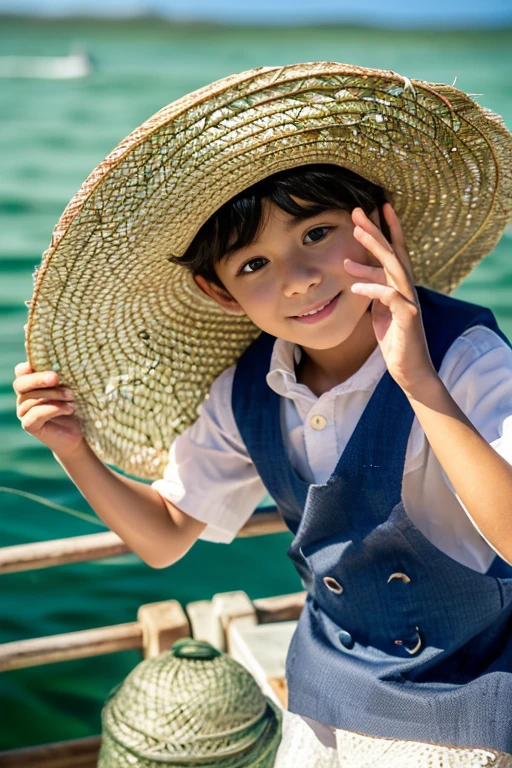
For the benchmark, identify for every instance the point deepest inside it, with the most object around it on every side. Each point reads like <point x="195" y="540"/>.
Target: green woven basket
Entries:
<point x="190" y="706"/>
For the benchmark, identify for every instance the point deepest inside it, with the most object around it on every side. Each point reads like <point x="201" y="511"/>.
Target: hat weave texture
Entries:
<point x="189" y="706"/>
<point x="134" y="337"/>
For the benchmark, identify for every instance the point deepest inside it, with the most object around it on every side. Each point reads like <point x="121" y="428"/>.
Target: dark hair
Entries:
<point x="235" y="225"/>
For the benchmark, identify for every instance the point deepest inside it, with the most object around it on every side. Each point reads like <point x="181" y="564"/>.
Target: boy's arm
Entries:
<point x="210" y="473"/>
<point x="481" y="477"/>
<point x="153" y="528"/>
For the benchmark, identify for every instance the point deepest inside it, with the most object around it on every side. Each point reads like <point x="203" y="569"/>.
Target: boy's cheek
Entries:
<point x="362" y="256"/>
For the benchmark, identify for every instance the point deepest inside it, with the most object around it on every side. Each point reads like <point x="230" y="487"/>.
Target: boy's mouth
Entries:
<point x="321" y="311"/>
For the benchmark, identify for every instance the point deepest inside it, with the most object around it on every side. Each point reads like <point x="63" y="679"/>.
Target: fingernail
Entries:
<point x="49" y="378"/>
<point x="67" y="394"/>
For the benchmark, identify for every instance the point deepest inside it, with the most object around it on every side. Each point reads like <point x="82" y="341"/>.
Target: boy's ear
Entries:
<point x="220" y="295"/>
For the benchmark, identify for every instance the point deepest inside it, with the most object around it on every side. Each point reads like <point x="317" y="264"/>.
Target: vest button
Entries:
<point x="318" y="421"/>
<point x="346" y="639"/>
<point x="412" y="651"/>
<point x="403" y="576"/>
<point x="333" y="585"/>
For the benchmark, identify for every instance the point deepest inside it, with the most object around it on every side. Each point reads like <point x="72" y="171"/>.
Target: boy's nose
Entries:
<point x="298" y="278"/>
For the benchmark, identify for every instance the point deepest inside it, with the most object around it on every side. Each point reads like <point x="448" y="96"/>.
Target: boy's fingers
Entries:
<point x="394" y="224"/>
<point x="369" y="235"/>
<point x="384" y="254"/>
<point x="42" y="395"/>
<point x="26" y="405"/>
<point x="397" y="246"/>
<point x="22" y="368"/>
<point x="398" y="304"/>
<point x="29" y="381"/>
<point x="397" y="237"/>
<point x="363" y="221"/>
<point x="375" y="274"/>
<point x="40" y="414"/>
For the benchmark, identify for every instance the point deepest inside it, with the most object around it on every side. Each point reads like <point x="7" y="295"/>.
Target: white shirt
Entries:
<point x="211" y="477"/>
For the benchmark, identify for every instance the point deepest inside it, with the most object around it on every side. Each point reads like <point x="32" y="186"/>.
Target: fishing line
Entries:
<point x="54" y="505"/>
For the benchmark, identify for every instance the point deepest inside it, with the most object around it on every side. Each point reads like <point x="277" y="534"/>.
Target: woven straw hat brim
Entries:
<point x="132" y="335"/>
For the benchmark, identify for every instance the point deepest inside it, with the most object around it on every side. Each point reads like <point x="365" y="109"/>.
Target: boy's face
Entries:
<point x="292" y="267"/>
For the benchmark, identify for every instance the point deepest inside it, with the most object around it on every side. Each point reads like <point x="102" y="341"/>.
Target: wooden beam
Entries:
<point x="162" y="624"/>
<point x="79" y="753"/>
<point x="159" y="625"/>
<point x="280" y="607"/>
<point x="280" y="688"/>
<point x="70" y="645"/>
<point x="95" y="546"/>
<point x="44" y="554"/>
<point x="262" y="523"/>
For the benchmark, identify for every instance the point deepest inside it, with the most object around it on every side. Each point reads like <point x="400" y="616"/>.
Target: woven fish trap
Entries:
<point x="133" y="336"/>
<point x="190" y="706"/>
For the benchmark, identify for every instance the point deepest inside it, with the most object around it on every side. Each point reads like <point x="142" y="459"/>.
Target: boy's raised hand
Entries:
<point x="396" y="313"/>
<point x="46" y="409"/>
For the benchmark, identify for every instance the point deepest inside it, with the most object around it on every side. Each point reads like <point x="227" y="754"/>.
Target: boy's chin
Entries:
<point x="318" y="340"/>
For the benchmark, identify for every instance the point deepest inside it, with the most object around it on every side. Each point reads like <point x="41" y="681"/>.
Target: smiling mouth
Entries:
<point x="318" y="309"/>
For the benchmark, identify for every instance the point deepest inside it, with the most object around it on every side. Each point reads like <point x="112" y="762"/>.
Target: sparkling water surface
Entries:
<point x="52" y="134"/>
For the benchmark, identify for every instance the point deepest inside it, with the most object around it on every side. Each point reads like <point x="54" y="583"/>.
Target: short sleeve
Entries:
<point x="477" y="371"/>
<point x="210" y="474"/>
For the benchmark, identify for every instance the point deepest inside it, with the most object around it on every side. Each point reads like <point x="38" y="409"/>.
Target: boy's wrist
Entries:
<point x="424" y="387"/>
<point x="77" y="454"/>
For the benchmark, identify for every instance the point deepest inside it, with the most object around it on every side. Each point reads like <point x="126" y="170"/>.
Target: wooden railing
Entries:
<point x="157" y="627"/>
<point x="45" y="554"/>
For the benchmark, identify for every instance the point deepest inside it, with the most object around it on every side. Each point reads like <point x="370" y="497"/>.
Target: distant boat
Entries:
<point x="77" y="64"/>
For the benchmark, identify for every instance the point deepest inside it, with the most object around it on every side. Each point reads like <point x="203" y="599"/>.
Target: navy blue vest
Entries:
<point x="396" y="639"/>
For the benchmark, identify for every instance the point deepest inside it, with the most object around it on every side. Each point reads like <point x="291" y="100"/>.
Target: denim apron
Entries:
<point x="396" y="638"/>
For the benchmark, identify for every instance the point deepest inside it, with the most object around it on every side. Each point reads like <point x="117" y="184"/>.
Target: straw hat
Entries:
<point x="134" y="337"/>
<point x="190" y="706"/>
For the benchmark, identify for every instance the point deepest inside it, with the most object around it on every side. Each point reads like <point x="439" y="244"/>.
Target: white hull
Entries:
<point x="46" y="67"/>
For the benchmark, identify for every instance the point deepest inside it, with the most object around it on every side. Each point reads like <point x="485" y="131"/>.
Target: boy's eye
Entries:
<point x="248" y="264"/>
<point x="317" y="234"/>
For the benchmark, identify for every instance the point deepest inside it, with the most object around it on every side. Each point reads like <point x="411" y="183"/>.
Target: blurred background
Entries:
<point x="75" y="78"/>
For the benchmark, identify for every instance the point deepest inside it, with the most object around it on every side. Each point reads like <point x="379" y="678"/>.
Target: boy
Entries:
<point x="306" y="248"/>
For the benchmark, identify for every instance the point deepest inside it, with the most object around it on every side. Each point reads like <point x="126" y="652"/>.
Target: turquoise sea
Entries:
<point x="52" y="134"/>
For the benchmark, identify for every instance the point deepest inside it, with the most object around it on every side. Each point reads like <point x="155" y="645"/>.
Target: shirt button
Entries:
<point x="318" y="421"/>
<point x="333" y="585"/>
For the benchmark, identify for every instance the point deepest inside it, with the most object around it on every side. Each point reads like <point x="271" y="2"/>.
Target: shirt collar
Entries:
<point x="282" y="379"/>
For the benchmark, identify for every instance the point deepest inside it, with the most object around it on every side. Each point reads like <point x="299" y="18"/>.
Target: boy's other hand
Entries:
<point x="46" y="410"/>
<point x="396" y="312"/>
